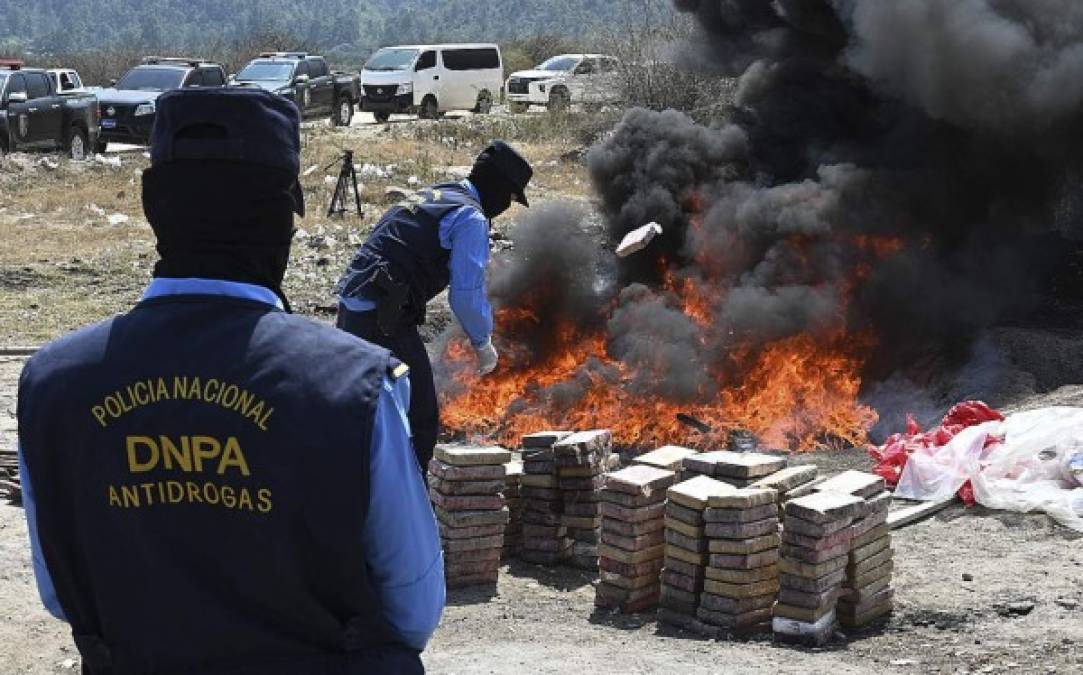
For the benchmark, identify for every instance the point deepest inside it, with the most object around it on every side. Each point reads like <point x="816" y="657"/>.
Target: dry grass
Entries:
<point x="62" y="265"/>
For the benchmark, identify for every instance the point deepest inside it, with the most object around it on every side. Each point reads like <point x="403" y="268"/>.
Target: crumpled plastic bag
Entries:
<point x="1024" y="463"/>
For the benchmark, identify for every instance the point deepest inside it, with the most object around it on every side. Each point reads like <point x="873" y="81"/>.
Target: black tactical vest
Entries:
<point x="201" y="470"/>
<point x="406" y="245"/>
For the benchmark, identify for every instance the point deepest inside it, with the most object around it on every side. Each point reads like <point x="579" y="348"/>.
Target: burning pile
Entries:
<point x="860" y="210"/>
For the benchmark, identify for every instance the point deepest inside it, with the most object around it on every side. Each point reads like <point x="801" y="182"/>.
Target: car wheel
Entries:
<point x="76" y="145"/>
<point x="485" y="103"/>
<point x="518" y="108"/>
<point x="382" y="117"/>
<point x="343" y="112"/>
<point x="430" y="110"/>
<point x="559" y="101"/>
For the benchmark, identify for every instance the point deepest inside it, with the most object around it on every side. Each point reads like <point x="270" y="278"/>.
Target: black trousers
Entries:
<point x="408" y="347"/>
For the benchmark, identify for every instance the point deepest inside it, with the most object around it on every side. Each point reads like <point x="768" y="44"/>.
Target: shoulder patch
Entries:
<point x="399" y="371"/>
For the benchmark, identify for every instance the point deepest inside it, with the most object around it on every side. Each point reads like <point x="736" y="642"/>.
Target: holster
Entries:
<point x="392" y="301"/>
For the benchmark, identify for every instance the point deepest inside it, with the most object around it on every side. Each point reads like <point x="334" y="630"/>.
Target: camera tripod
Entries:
<point x="347" y="176"/>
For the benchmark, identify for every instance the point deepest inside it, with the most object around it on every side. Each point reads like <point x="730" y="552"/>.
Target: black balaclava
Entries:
<point x="494" y="189"/>
<point x="221" y="220"/>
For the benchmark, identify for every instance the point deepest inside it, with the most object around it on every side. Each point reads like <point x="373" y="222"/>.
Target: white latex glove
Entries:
<point x="487" y="357"/>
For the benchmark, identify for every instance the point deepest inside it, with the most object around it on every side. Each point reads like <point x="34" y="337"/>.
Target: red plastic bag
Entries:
<point x="892" y="456"/>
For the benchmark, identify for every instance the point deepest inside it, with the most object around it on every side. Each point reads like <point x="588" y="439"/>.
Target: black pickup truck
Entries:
<point x="33" y="116"/>
<point x="307" y="81"/>
<point x="128" y="106"/>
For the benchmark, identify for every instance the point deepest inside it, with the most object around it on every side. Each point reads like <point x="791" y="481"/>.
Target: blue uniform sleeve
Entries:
<point x="400" y="536"/>
<point x="465" y="232"/>
<point x="41" y="572"/>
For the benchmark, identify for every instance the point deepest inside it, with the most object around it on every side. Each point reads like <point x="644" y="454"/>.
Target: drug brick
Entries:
<point x="539" y="467"/>
<point x="742" y="530"/>
<point x="862" y="553"/>
<point x="718" y="603"/>
<point x="743" y="576"/>
<point x="744" y="500"/>
<point x="861" y="614"/>
<point x="532" y="517"/>
<point x="739" y="465"/>
<point x="472" y="518"/>
<point x="843" y="537"/>
<point x="632" y="529"/>
<point x="812" y="555"/>
<point x="634" y="515"/>
<point x="870" y="575"/>
<point x="880" y="503"/>
<point x="748" y="515"/>
<point x="591" y="484"/>
<point x="681" y="581"/>
<point x="668" y="457"/>
<point x="825" y="507"/>
<point x="568" y="466"/>
<point x="687" y="530"/>
<point x="810" y="599"/>
<point x="743" y="546"/>
<point x="633" y="543"/>
<point x="810" y="529"/>
<point x="744" y="562"/>
<point x="629" y="583"/>
<point x="584" y="443"/>
<point x="544" y="531"/>
<point x="615" y="595"/>
<point x="465" y="581"/>
<point x="688" y="543"/>
<point x="581" y="522"/>
<point x="684" y="514"/>
<point x="448" y="532"/>
<point x="811" y="585"/>
<point x="859" y="595"/>
<point x="806" y="614"/>
<point x="640" y="481"/>
<point x="543" y="439"/>
<point x="631" y="557"/>
<point x="677" y="595"/>
<point x="535" y="505"/>
<point x="467" y="503"/>
<point x="856" y="483"/>
<point x="689" y="557"/>
<point x="480" y="555"/>
<point x="546" y="480"/>
<point x="741" y="591"/>
<point x="855" y="570"/>
<point x="862" y="527"/>
<point x="446" y="471"/>
<point x="759" y="618"/>
<point x="695" y="493"/>
<point x="648" y="568"/>
<point x="788" y="479"/>
<point x="582" y="510"/>
<point x="466" y="456"/>
<point x="685" y="568"/>
<point x="630" y="501"/>
<point x="812" y="570"/>
<point x="466" y="487"/>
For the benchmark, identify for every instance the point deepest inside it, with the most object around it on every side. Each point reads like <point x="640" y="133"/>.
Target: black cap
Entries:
<point x="245" y="125"/>
<point x="510" y="165"/>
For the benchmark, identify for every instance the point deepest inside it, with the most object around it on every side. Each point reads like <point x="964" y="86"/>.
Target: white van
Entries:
<point x="432" y="79"/>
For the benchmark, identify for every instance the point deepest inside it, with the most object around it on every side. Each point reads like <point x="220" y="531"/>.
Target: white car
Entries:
<point x="429" y="80"/>
<point x="66" y="80"/>
<point x="591" y="80"/>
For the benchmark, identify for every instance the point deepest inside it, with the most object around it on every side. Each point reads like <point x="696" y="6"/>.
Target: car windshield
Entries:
<point x="391" y="59"/>
<point x="560" y="63"/>
<point x="152" y="79"/>
<point x="265" y="72"/>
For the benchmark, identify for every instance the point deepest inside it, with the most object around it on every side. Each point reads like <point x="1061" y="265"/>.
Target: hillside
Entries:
<point x="345" y="26"/>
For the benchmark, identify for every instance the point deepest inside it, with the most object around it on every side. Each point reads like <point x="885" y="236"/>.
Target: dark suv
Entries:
<point x="127" y="107"/>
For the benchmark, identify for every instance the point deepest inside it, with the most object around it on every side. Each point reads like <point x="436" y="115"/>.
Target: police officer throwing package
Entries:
<point x="436" y="239"/>
<point x="214" y="485"/>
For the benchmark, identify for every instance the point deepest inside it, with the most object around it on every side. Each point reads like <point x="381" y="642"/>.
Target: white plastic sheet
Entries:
<point x="1025" y="463"/>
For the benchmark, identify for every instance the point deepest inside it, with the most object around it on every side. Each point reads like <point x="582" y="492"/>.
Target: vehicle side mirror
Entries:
<point x="300" y="79"/>
<point x="112" y="83"/>
<point x="17" y="97"/>
<point x="232" y="77"/>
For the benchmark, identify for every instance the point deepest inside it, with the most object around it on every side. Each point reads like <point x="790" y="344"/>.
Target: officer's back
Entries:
<point x="208" y="474"/>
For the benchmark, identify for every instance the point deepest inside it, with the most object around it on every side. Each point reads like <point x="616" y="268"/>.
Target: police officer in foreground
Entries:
<point x="436" y="239"/>
<point x="214" y="485"/>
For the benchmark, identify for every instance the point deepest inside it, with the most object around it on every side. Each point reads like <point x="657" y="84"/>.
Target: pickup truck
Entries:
<point x="307" y="81"/>
<point x="127" y="106"/>
<point x="33" y="116"/>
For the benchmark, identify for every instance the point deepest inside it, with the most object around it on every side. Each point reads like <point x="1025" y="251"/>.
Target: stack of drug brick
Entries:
<point x="866" y="590"/>
<point x="686" y="555"/>
<point x="633" y="539"/>
<point x="465" y="485"/>
<point x="545" y="538"/>
<point x="816" y="538"/>
<point x="742" y="575"/>
<point x="513" y="533"/>
<point x="582" y="460"/>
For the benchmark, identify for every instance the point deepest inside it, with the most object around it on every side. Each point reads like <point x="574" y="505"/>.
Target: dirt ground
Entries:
<point x="977" y="592"/>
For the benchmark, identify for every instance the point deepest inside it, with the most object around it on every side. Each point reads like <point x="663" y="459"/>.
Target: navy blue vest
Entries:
<point x="406" y="244"/>
<point x="201" y="472"/>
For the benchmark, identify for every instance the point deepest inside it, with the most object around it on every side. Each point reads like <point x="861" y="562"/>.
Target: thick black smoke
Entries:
<point x="950" y="131"/>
